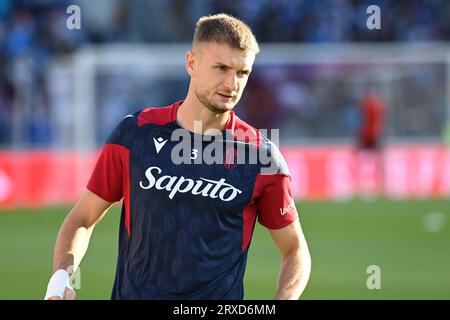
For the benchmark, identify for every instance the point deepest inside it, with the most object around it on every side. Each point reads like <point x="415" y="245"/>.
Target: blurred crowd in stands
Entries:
<point x="33" y="33"/>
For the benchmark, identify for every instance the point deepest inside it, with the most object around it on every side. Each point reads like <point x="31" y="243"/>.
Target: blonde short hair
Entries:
<point x="223" y="28"/>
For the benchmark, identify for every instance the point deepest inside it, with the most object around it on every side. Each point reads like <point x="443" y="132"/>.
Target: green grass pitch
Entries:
<point x="344" y="239"/>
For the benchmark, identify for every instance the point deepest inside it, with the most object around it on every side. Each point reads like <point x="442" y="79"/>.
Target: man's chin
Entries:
<point x="221" y="108"/>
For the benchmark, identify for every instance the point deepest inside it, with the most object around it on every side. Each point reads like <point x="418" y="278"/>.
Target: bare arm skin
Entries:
<point x="295" y="261"/>
<point x="75" y="232"/>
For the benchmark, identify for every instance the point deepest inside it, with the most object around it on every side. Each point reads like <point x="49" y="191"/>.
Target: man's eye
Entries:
<point x="222" y="68"/>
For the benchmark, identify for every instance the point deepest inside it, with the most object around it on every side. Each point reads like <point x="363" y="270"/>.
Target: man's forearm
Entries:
<point x="294" y="275"/>
<point x="71" y="244"/>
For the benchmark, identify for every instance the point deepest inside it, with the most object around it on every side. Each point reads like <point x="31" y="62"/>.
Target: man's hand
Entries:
<point x="69" y="294"/>
<point x="59" y="287"/>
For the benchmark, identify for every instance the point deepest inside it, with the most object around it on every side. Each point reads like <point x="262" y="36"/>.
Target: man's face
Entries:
<point x="219" y="74"/>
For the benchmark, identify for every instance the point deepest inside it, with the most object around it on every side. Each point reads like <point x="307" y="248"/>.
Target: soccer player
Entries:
<point x="369" y="153"/>
<point x="186" y="228"/>
<point x="373" y="111"/>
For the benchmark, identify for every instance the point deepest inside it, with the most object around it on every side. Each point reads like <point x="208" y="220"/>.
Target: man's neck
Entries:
<point x="194" y="117"/>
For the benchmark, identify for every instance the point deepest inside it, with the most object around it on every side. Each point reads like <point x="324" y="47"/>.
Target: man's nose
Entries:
<point x="231" y="82"/>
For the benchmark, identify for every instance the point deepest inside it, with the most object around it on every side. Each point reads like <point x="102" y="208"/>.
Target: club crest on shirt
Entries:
<point x="230" y="161"/>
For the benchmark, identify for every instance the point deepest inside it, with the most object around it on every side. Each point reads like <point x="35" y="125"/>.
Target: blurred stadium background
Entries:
<point x="321" y="69"/>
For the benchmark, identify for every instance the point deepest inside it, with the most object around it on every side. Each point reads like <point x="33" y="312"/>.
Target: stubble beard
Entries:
<point x="210" y="105"/>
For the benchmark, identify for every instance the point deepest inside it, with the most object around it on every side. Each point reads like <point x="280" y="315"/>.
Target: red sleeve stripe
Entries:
<point x="249" y="217"/>
<point x="269" y="205"/>
<point x="276" y="208"/>
<point x="110" y="179"/>
<point x="126" y="188"/>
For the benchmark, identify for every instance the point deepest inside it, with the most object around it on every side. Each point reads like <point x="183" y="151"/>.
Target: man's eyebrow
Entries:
<point x="220" y="64"/>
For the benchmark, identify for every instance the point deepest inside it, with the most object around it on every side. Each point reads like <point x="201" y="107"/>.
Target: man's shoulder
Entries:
<point x="157" y="115"/>
<point x="274" y="160"/>
<point x="269" y="153"/>
<point x="241" y="124"/>
<point x="242" y="131"/>
<point x="129" y="126"/>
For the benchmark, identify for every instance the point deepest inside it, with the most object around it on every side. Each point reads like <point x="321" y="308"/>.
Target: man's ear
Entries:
<point x="189" y="63"/>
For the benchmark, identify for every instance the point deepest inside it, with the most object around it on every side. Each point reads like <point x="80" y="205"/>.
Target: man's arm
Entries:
<point x="73" y="237"/>
<point x="295" y="261"/>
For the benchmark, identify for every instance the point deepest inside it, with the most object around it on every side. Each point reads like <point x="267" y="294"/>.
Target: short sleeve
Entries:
<point x="107" y="179"/>
<point x="110" y="176"/>
<point x="276" y="208"/>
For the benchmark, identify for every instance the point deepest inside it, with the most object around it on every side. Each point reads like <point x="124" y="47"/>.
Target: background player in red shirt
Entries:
<point x="372" y="109"/>
<point x="215" y="237"/>
<point x="369" y="151"/>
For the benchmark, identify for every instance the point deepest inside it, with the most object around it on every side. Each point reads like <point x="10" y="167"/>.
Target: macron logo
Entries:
<point x="159" y="143"/>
